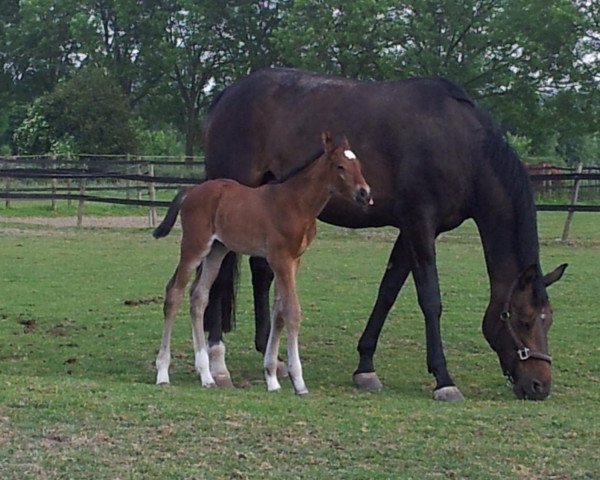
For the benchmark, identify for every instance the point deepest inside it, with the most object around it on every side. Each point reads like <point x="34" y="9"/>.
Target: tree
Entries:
<point x="88" y="113"/>
<point x="513" y="56"/>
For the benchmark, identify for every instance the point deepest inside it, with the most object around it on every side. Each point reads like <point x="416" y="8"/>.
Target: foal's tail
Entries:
<point x="167" y="224"/>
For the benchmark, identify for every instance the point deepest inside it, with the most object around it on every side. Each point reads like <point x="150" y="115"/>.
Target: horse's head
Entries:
<point x="519" y="333"/>
<point x="348" y="179"/>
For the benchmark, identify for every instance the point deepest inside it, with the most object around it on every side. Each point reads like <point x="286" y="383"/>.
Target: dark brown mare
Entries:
<point x="276" y="222"/>
<point x="433" y="159"/>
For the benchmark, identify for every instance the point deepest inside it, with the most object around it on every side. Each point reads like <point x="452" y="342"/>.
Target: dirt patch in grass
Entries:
<point x="88" y="221"/>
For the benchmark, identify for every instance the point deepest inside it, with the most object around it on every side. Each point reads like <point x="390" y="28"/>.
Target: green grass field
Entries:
<point x="80" y="325"/>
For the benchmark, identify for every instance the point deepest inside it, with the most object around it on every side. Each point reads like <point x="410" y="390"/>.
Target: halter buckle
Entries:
<point x="524" y="353"/>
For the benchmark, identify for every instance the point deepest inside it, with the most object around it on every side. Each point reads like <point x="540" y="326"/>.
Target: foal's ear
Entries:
<point x="345" y="143"/>
<point x="555" y="275"/>
<point x="327" y="141"/>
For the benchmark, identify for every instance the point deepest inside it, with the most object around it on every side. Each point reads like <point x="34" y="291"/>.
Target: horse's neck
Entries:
<point x="311" y="189"/>
<point x="505" y="255"/>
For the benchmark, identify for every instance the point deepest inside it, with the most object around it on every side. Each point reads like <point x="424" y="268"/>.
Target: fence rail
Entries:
<point x="37" y="178"/>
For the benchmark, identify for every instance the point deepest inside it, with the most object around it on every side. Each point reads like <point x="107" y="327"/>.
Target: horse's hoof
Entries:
<point x="163" y="383"/>
<point x="223" y="381"/>
<point x="299" y="387"/>
<point x="448" y="394"/>
<point x="367" y="381"/>
<point x="162" y="378"/>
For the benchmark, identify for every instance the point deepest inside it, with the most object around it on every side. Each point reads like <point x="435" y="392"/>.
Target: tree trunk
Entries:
<point x="191" y="132"/>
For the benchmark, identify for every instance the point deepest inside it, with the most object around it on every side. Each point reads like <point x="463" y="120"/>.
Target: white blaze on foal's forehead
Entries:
<point x="350" y="154"/>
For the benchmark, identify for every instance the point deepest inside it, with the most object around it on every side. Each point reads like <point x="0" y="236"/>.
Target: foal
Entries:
<point x="276" y="221"/>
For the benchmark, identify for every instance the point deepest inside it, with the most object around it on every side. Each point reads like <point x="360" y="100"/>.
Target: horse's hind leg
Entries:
<point x="199" y="297"/>
<point x="173" y="297"/>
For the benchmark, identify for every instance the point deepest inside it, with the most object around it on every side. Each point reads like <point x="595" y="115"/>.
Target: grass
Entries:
<point x="80" y="324"/>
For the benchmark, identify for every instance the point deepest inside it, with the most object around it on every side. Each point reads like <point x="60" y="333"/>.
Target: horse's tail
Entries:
<point x="167" y="224"/>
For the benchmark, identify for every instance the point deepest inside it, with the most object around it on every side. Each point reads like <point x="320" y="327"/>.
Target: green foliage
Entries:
<point x="533" y="63"/>
<point x="521" y="144"/>
<point x="33" y="136"/>
<point x="86" y="114"/>
<point x="166" y="142"/>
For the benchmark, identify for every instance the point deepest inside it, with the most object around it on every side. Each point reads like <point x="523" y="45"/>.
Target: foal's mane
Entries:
<point x="299" y="169"/>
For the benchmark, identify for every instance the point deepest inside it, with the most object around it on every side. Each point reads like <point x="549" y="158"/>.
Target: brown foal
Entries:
<point x="276" y="221"/>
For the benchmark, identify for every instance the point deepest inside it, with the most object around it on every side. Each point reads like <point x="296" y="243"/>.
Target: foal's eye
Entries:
<point x="340" y="168"/>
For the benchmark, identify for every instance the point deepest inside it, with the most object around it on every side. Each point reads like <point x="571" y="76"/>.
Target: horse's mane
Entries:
<point x="515" y="180"/>
<point x="298" y="169"/>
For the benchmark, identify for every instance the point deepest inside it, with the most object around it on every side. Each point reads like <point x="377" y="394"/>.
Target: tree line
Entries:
<point x="137" y="76"/>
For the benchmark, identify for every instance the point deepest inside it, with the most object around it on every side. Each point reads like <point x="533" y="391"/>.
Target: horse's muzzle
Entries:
<point x="531" y="389"/>
<point x="363" y="196"/>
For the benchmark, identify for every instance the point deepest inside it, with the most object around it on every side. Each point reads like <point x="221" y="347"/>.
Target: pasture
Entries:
<point x="80" y="326"/>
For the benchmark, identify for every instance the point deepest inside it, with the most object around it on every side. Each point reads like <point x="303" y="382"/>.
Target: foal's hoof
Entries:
<point x="448" y="394"/>
<point x="223" y="381"/>
<point x="367" y="381"/>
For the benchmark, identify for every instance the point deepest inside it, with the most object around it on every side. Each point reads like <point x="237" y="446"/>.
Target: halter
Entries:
<point x="523" y="352"/>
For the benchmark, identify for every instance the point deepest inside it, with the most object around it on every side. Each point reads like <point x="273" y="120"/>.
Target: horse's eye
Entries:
<point x="340" y="168"/>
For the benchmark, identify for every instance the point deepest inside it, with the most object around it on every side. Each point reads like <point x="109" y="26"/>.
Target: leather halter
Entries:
<point x="523" y="351"/>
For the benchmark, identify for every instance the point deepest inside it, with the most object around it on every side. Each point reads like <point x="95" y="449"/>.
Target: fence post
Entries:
<point x="574" y="195"/>
<point x="139" y="183"/>
<point x="81" y="202"/>
<point x="7" y="182"/>
<point x="152" y="195"/>
<point x="127" y="182"/>
<point x="53" y="182"/>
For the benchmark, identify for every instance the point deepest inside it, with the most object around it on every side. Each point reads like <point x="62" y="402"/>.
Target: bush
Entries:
<point x="86" y="114"/>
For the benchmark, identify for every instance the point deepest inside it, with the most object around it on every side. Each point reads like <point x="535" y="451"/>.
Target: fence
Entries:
<point x="105" y="179"/>
<point x="84" y="179"/>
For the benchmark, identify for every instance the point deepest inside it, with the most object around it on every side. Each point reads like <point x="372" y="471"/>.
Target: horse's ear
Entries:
<point x="345" y="143"/>
<point x="555" y="275"/>
<point x="528" y="276"/>
<point x="327" y="141"/>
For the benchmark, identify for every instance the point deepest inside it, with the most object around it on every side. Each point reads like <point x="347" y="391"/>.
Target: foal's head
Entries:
<point x="348" y="180"/>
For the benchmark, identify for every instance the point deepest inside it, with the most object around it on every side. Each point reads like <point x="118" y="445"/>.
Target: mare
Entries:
<point x="276" y="222"/>
<point x="433" y="159"/>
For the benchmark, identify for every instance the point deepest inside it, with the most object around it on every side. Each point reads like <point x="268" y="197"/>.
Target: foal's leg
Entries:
<point x="173" y="298"/>
<point x="262" y="278"/>
<point x="270" y="360"/>
<point x="285" y="285"/>
<point x="198" y="301"/>
<point x="216" y="347"/>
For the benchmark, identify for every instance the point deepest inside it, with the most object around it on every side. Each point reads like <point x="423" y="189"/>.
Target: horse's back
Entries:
<point x="417" y="137"/>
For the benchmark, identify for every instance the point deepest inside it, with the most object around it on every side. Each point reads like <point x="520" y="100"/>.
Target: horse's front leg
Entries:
<point x="397" y="271"/>
<point x="270" y="360"/>
<point x="262" y="278"/>
<point x="216" y="347"/>
<point x="285" y="285"/>
<point x="199" y="297"/>
<point x="426" y="280"/>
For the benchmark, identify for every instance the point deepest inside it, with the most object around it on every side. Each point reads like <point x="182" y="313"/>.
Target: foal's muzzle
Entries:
<point x="363" y="196"/>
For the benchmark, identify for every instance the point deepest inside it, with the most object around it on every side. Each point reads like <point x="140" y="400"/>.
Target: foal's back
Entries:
<point x="246" y="220"/>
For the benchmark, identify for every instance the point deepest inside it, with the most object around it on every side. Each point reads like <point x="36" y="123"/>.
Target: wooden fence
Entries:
<point x="120" y="180"/>
<point x="130" y="180"/>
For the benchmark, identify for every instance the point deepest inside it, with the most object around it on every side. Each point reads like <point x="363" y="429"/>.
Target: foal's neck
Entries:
<point x="312" y="188"/>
